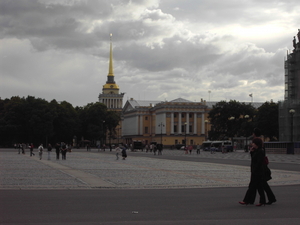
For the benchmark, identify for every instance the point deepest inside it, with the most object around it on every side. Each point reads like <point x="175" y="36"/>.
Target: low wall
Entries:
<point x="282" y="147"/>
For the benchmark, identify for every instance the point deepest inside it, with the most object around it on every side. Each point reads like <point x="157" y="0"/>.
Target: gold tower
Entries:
<point x="110" y="92"/>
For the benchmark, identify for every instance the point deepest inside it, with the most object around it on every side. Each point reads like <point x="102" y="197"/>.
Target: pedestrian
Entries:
<point x="19" y="148"/>
<point x="212" y="149"/>
<point x="57" y="150"/>
<point x="41" y="149"/>
<point x="69" y="148"/>
<point x="190" y="149"/>
<point x="31" y="149"/>
<point x="186" y="149"/>
<point x="198" y="148"/>
<point x="49" y="151"/>
<point x="124" y="154"/>
<point x="154" y="149"/>
<point x="63" y="151"/>
<point x="160" y="149"/>
<point x="257" y="175"/>
<point x="23" y="148"/>
<point x="117" y="152"/>
<point x="267" y="188"/>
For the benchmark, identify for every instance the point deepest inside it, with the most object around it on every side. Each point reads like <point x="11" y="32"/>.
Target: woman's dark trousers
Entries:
<point x="269" y="192"/>
<point x="256" y="183"/>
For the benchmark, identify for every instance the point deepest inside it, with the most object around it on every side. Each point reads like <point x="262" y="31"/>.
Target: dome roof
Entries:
<point x="110" y="86"/>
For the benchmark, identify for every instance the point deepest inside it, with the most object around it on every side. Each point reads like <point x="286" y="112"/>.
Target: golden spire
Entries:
<point x="111" y="69"/>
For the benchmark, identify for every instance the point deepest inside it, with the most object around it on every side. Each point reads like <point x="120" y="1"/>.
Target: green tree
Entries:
<point x="267" y="120"/>
<point x="229" y="119"/>
<point x="93" y="121"/>
<point x="25" y="120"/>
<point x="66" y="121"/>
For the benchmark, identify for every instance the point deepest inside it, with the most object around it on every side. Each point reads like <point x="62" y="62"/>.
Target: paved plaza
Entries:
<point x="85" y="170"/>
<point x="91" y="188"/>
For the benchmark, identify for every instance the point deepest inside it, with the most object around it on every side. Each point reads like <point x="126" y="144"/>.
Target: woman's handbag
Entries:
<point x="267" y="173"/>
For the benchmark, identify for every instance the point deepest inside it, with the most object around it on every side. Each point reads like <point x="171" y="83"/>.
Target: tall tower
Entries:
<point x="110" y="92"/>
<point x="289" y="109"/>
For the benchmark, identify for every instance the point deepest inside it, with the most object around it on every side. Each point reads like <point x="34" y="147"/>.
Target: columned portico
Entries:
<point x="169" y="123"/>
<point x="187" y="125"/>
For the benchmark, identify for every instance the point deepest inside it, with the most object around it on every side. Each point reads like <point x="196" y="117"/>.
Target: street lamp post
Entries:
<point x="102" y="138"/>
<point x="185" y="134"/>
<point x="119" y="134"/>
<point x="292" y="112"/>
<point x="206" y="130"/>
<point x="246" y="150"/>
<point x="232" y="142"/>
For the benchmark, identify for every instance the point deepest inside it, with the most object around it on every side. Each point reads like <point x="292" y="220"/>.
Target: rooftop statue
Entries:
<point x="294" y="42"/>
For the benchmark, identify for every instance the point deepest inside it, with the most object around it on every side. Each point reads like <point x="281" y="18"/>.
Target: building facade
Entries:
<point x="289" y="109"/>
<point x="169" y="123"/>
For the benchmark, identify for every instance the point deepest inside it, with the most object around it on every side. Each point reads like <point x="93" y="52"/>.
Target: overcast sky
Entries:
<point x="162" y="49"/>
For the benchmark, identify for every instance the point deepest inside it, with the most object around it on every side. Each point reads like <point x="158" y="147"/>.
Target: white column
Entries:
<point x="172" y="123"/>
<point x="187" y="126"/>
<point x="179" y="123"/>
<point x="195" y="123"/>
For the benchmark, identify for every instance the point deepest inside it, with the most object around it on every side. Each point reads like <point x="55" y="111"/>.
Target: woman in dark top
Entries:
<point x="257" y="174"/>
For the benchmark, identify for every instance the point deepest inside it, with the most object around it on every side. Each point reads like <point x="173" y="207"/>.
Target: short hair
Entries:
<point x="257" y="132"/>
<point x="258" y="141"/>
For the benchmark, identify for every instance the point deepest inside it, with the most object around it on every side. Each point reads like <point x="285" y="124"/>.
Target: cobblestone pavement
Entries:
<point x="238" y="155"/>
<point x="86" y="170"/>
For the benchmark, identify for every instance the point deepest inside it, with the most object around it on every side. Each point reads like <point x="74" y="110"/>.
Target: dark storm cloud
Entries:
<point x="48" y="25"/>
<point x="166" y="48"/>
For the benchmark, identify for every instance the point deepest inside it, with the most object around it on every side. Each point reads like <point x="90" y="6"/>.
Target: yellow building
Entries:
<point x="169" y="123"/>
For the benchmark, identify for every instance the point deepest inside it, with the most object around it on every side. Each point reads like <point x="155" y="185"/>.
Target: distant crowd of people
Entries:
<point x="60" y="149"/>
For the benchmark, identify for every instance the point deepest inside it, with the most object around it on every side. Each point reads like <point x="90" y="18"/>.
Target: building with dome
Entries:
<point x="113" y="99"/>
<point x="110" y="95"/>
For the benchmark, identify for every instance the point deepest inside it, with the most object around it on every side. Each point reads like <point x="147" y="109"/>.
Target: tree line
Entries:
<point x="236" y="119"/>
<point x="35" y="120"/>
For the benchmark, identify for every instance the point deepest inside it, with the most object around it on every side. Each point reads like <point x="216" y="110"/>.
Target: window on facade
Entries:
<point x="146" y="130"/>
<point x="182" y="128"/>
<point x="176" y="141"/>
<point x="190" y="128"/>
<point x="182" y="115"/>
<point x="146" y="117"/>
<point x="190" y="115"/>
<point x="175" y="128"/>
